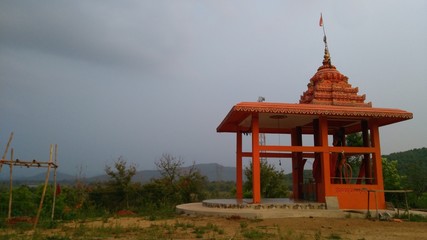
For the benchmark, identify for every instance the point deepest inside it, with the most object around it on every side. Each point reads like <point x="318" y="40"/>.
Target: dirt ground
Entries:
<point x="201" y="227"/>
<point x="210" y="227"/>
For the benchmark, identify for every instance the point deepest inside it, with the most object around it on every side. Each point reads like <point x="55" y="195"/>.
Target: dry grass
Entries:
<point x="134" y="228"/>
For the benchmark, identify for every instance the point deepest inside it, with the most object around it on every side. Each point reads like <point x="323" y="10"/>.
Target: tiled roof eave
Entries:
<point x="322" y="110"/>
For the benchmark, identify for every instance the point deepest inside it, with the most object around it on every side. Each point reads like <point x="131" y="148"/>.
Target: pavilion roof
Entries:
<point x="282" y="117"/>
<point x="328" y="94"/>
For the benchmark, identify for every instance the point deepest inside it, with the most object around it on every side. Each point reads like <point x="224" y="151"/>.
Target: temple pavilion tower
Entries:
<point x="327" y="111"/>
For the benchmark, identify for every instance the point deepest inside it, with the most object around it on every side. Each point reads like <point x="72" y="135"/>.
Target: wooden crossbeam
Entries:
<point x="28" y="164"/>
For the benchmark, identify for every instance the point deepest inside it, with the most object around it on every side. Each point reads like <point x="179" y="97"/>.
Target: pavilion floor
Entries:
<point x="268" y="208"/>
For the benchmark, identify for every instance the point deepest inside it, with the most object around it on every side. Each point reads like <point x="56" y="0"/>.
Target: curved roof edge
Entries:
<point x="242" y="110"/>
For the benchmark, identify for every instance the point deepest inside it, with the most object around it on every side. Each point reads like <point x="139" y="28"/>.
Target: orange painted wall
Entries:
<point x="351" y="196"/>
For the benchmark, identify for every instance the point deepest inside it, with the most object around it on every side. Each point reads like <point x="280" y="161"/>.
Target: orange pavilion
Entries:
<point x="327" y="112"/>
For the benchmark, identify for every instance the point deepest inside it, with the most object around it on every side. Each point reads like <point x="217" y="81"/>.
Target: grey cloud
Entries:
<point x="138" y="78"/>
<point x="107" y="33"/>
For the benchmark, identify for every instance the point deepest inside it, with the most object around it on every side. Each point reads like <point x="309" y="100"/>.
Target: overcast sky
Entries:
<point x="137" y="79"/>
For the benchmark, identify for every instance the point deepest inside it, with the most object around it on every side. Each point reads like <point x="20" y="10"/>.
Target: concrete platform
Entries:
<point x="262" y="213"/>
<point x="273" y="208"/>
<point x="268" y="208"/>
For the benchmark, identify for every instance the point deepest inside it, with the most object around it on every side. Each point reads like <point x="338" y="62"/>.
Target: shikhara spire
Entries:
<point x="330" y="87"/>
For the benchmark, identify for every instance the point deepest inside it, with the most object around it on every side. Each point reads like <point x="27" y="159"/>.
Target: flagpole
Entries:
<point x="324" y="32"/>
<point x="327" y="54"/>
<point x="323" y="25"/>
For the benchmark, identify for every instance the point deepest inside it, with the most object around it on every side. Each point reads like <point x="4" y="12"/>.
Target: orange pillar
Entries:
<point x="366" y="156"/>
<point x="317" y="171"/>
<point x="376" y="156"/>
<point x="301" y="163"/>
<point x="256" y="166"/>
<point x="325" y="161"/>
<point x="295" y="166"/>
<point x="239" y="167"/>
<point x="377" y="163"/>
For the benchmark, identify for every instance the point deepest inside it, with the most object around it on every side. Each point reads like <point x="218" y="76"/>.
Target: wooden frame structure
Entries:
<point x="51" y="163"/>
<point x="405" y="192"/>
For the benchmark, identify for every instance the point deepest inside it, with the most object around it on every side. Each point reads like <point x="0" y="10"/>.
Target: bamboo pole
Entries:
<point x="406" y="207"/>
<point x="54" y="181"/>
<point x="7" y="148"/>
<point x="9" y="213"/>
<point x="44" y="188"/>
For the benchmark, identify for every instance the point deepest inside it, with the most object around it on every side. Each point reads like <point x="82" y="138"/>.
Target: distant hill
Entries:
<point x="217" y="172"/>
<point x="407" y="161"/>
<point x="213" y="171"/>
<point x="410" y="161"/>
<point x="39" y="177"/>
<point x="140" y="176"/>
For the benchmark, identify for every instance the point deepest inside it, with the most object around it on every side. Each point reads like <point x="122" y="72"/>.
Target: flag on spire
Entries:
<point x="321" y="21"/>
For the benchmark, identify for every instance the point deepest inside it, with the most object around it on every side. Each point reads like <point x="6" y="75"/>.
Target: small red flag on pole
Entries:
<point x="58" y="189"/>
<point x="321" y="21"/>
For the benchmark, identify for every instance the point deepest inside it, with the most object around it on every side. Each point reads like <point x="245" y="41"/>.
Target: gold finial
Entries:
<point x="327" y="57"/>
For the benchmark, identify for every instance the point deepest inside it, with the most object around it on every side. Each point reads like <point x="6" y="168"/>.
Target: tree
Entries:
<point x="169" y="167"/>
<point x="177" y="183"/>
<point x="392" y="179"/>
<point x="416" y="177"/>
<point x="157" y="194"/>
<point x="413" y="165"/>
<point x="273" y="182"/>
<point x="354" y="140"/>
<point x="191" y="185"/>
<point x="121" y="177"/>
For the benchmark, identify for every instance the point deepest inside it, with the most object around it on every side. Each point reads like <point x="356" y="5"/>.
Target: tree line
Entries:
<point x="158" y="197"/>
<point x="177" y="185"/>
<point x="408" y="170"/>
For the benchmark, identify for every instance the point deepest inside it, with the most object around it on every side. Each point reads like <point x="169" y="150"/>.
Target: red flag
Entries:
<point x="321" y="21"/>
<point x="58" y="189"/>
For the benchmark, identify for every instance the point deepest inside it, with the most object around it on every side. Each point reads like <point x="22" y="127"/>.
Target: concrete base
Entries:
<point x="275" y="208"/>
<point x="332" y="203"/>
<point x="263" y="213"/>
